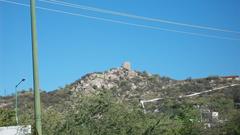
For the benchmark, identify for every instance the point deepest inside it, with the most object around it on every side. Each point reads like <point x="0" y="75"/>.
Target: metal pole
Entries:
<point x="16" y="98"/>
<point x="16" y="105"/>
<point x="37" y="104"/>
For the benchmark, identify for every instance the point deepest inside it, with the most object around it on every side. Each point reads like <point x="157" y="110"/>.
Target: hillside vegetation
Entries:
<point x="109" y="103"/>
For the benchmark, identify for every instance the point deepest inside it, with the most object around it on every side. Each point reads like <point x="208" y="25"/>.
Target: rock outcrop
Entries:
<point x="105" y="80"/>
<point x="126" y="81"/>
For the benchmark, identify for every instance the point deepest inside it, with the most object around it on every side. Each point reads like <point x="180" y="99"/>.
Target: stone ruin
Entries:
<point x="126" y="65"/>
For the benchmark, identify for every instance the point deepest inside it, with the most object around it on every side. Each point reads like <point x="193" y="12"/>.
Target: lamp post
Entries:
<point x="16" y="104"/>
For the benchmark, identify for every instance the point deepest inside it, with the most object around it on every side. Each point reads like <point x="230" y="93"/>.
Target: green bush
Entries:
<point x="7" y="117"/>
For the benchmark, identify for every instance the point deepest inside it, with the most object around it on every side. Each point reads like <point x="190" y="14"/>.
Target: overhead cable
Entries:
<point x="100" y="10"/>
<point x="123" y="22"/>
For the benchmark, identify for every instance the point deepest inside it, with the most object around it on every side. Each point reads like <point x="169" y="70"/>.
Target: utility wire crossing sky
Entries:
<point x="132" y="16"/>
<point x="135" y="16"/>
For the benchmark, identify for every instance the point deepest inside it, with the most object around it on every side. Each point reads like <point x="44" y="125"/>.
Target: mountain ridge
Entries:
<point x="127" y="84"/>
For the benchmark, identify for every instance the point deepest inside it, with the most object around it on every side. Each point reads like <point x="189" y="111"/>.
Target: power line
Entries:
<point x="100" y="10"/>
<point x="123" y="22"/>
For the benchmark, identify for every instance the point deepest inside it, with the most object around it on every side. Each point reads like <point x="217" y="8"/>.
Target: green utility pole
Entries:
<point x="37" y="104"/>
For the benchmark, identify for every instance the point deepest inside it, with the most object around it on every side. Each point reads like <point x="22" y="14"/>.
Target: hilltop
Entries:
<point x="128" y="84"/>
<point x="125" y="101"/>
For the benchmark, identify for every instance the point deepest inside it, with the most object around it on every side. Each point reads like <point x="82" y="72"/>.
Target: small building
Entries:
<point x="215" y="115"/>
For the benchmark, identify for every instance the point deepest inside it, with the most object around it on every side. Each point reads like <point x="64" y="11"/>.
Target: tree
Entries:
<point x="7" y="117"/>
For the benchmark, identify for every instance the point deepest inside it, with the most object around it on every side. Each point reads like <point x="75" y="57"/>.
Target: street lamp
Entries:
<point x="16" y="105"/>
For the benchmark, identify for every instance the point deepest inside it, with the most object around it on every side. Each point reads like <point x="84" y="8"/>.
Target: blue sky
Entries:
<point x="71" y="46"/>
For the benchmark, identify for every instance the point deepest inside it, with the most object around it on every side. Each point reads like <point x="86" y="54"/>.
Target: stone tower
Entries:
<point x="126" y="65"/>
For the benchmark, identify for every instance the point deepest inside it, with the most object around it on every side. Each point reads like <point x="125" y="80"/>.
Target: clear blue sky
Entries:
<point x="71" y="46"/>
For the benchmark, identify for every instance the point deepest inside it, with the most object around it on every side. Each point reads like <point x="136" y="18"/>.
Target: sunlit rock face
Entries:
<point x="124" y="80"/>
<point x="105" y="80"/>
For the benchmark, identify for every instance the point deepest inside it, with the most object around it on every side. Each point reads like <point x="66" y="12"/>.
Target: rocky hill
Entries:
<point x="128" y="84"/>
<point x="125" y="101"/>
